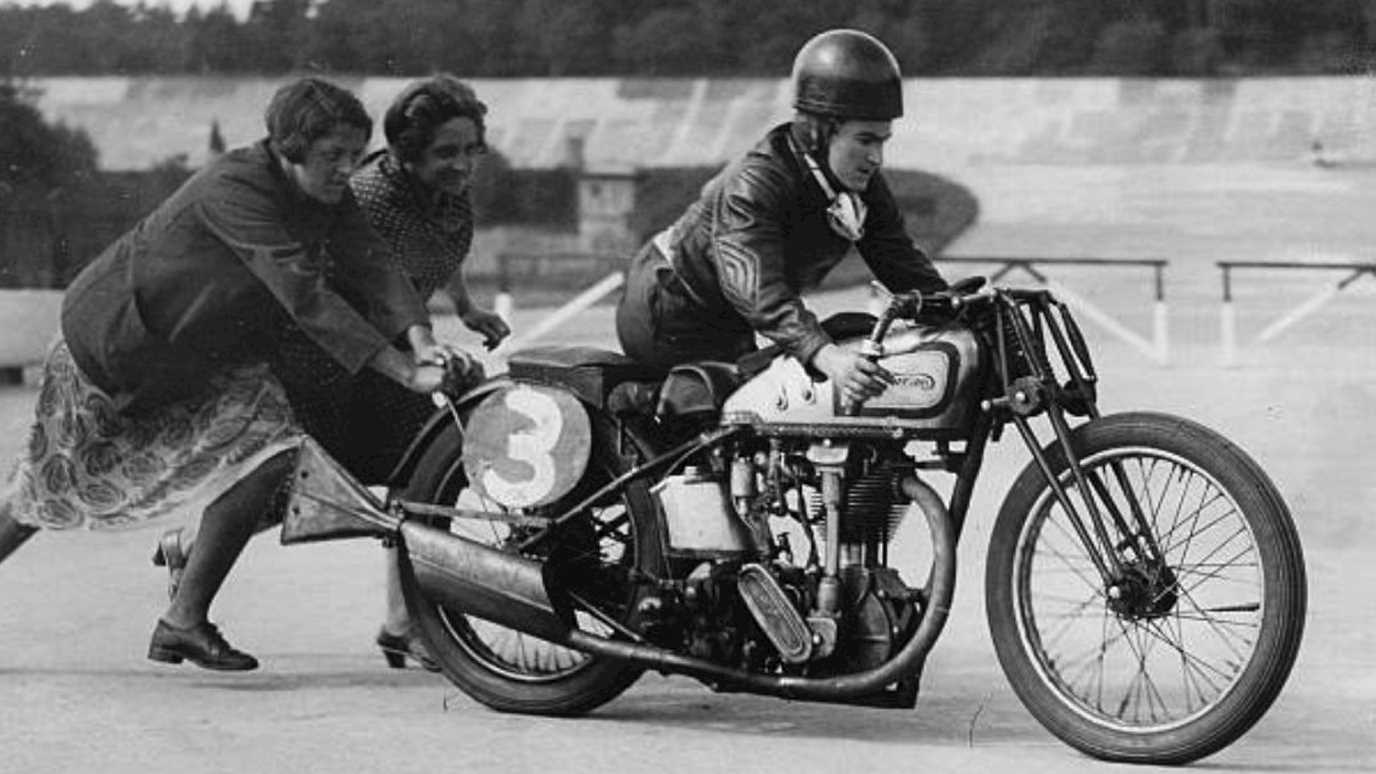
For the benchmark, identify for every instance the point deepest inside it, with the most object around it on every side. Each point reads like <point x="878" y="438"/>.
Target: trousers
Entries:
<point x="660" y="324"/>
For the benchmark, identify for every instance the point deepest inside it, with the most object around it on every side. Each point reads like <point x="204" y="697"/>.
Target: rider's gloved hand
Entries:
<point x="855" y="376"/>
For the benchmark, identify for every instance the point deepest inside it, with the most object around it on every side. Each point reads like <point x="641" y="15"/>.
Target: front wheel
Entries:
<point x="1188" y="643"/>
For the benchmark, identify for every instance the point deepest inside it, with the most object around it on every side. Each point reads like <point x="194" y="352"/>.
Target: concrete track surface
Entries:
<point x="77" y="695"/>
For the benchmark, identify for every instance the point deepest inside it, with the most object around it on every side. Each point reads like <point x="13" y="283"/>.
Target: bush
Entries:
<point x="539" y="197"/>
<point x="1196" y="52"/>
<point x="40" y="165"/>
<point x="1131" y="48"/>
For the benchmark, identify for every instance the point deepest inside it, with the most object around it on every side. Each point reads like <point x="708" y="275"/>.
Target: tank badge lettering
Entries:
<point x="918" y="381"/>
<point x="921" y="380"/>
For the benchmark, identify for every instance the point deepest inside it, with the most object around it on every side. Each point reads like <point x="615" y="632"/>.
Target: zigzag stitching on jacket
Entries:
<point x="739" y="277"/>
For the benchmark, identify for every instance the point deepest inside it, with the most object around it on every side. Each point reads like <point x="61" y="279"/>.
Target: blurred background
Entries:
<point x="606" y="116"/>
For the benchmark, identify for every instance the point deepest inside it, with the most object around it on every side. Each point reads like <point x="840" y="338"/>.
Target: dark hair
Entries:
<point x="305" y="110"/>
<point x="420" y="109"/>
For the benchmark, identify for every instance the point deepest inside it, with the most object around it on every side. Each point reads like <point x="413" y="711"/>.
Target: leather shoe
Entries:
<point x="396" y="648"/>
<point x="201" y="644"/>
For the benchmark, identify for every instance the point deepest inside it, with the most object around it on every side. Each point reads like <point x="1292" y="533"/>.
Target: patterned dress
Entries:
<point x="86" y="465"/>
<point x="366" y="421"/>
<point x="157" y="399"/>
<point x="430" y="237"/>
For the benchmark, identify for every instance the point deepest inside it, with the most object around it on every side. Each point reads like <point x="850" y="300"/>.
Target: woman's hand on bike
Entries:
<point x="461" y="372"/>
<point x="426" y="378"/>
<point x="434" y="353"/>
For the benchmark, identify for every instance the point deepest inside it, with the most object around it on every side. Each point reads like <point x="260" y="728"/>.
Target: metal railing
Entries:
<point x="1156" y="347"/>
<point x="1355" y="270"/>
<point x="546" y="266"/>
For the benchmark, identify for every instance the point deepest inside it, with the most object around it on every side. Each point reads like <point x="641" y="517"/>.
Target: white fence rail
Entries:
<point x="1354" y="270"/>
<point x="1155" y="346"/>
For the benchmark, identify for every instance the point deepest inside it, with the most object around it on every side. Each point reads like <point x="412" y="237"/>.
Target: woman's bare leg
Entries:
<point x="398" y="619"/>
<point x="224" y="530"/>
<point x="398" y="639"/>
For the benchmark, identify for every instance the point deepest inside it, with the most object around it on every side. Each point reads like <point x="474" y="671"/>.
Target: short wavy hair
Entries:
<point x="422" y="107"/>
<point x="307" y="109"/>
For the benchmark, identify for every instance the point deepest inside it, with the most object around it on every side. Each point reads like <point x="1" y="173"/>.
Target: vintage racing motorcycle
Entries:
<point x="579" y="520"/>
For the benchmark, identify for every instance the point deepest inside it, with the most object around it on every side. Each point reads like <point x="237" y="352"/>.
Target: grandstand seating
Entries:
<point x="951" y="123"/>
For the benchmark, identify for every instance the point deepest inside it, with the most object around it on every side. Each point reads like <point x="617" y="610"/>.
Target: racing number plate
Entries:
<point x="526" y="445"/>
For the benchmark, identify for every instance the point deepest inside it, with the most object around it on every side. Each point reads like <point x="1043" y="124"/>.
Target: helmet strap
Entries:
<point x="846" y="211"/>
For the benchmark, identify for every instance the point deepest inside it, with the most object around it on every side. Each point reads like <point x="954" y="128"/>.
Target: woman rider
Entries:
<point x="776" y="221"/>
<point x="158" y="398"/>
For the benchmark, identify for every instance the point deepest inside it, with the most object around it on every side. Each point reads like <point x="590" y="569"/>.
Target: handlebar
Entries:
<point x="462" y="372"/>
<point x="912" y="305"/>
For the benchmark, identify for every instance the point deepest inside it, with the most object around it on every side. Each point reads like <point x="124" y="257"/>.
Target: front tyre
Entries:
<point x="1172" y="660"/>
<point x="610" y="545"/>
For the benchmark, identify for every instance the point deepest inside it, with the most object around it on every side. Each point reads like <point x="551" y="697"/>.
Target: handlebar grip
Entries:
<point x="462" y="373"/>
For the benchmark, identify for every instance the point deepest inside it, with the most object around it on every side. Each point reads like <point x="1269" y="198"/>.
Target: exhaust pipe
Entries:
<point x="482" y="581"/>
<point x="513" y="591"/>
<point x="327" y="503"/>
<point x="851" y="688"/>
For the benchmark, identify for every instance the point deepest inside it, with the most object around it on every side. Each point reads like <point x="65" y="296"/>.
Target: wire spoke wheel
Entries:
<point x="1167" y="641"/>
<point x="1187" y="642"/>
<point x="596" y="556"/>
<point x="523" y="657"/>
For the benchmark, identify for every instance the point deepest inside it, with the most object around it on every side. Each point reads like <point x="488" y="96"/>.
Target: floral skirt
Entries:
<point x="86" y="465"/>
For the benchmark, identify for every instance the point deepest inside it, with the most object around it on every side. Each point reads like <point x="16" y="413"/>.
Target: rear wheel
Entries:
<point x="1171" y="660"/>
<point x="601" y="552"/>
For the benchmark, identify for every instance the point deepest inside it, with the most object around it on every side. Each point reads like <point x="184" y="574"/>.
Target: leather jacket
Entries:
<point x="758" y="236"/>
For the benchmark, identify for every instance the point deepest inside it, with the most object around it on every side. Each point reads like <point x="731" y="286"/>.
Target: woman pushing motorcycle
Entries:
<point x="775" y="222"/>
<point x="158" y="398"/>
<point x="416" y="195"/>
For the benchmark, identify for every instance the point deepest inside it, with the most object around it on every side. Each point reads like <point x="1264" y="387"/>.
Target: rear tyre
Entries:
<point x="614" y="541"/>
<point x="1172" y="661"/>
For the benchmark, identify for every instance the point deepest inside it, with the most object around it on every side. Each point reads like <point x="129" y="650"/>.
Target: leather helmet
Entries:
<point x="847" y="74"/>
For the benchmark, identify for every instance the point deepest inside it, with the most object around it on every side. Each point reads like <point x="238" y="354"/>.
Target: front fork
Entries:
<point x="1026" y="396"/>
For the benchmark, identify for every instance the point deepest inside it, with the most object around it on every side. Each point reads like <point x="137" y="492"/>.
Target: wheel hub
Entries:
<point x="1143" y="591"/>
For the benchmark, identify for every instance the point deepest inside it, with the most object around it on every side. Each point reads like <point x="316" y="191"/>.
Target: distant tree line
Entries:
<point x="543" y="38"/>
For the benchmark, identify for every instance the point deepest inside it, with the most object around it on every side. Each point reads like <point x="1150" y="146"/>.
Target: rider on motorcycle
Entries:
<point x="776" y="221"/>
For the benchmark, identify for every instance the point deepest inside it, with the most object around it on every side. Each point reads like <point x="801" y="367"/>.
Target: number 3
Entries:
<point x="532" y="445"/>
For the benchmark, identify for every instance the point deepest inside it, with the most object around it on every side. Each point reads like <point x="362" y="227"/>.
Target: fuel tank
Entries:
<point x="934" y="395"/>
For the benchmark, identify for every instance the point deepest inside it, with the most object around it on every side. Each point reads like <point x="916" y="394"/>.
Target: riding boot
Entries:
<point x="12" y="535"/>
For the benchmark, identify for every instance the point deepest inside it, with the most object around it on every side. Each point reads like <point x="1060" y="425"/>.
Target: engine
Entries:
<point x="752" y="525"/>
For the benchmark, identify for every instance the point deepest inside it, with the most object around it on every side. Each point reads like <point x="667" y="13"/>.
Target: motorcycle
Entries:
<point x="580" y="519"/>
